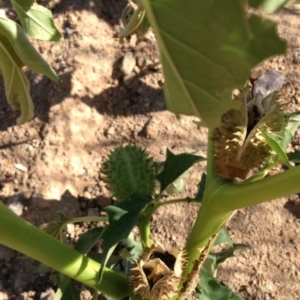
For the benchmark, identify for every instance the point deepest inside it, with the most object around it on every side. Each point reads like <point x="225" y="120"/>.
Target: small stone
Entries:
<point x="128" y="63"/>
<point x="86" y="295"/>
<point x="48" y="295"/>
<point x="69" y="31"/>
<point x="110" y="131"/>
<point x="21" y="167"/>
<point x="296" y="59"/>
<point x="3" y="296"/>
<point x="71" y="230"/>
<point x="87" y="194"/>
<point x="16" y="204"/>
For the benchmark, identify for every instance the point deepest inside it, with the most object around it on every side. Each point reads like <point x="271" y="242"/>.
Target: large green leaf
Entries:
<point x="207" y="48"/>
<point x="15" y="40"/>
<point x="37" y="20"/>
<point x="16" y="86"/>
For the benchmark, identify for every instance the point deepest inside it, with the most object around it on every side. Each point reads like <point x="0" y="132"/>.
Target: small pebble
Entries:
<point x="21" y="167"/>
<point x="110" y="130"/>
<point x="15" y="204"/>
<point x="296" y="59"/>
<point x="86" y="295"/>
<point x="48" y="295"/>
<point x="128" y="63"/>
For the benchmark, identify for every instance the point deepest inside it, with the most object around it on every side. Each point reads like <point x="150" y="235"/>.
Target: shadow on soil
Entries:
<point x="109" y="11"/>
<point x="128" y="99"/>
<point x="39" y="211"/>
<point x="293" y="206"/>
<point x="131" y="98"/>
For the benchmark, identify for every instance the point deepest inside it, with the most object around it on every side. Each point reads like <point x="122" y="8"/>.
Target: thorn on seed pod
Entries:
<point x="158" y="273"/>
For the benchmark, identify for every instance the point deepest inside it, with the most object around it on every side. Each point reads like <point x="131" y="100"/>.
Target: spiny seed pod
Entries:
<point x="239" y="143"/>
<point x="129" y="170"/>
<point x="158" y="273"/>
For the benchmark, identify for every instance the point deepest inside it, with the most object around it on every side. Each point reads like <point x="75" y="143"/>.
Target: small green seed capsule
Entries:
<point x="129" y="170"/>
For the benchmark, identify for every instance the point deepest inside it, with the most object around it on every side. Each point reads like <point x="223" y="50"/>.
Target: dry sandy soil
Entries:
<point x="97" y="108"/>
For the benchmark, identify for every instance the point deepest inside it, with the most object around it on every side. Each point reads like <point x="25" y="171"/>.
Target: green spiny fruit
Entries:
<point x="129" y="170"/>
<point x="239" y="143"/>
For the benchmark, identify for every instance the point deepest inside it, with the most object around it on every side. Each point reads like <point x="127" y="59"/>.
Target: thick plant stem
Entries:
<point x="22" y="236"/>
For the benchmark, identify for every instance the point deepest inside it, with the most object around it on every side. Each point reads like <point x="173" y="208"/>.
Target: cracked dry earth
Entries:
<point x="52" y="163"/>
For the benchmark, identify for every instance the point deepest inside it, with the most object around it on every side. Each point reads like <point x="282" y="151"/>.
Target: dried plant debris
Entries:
<point x="239" y="142"/>
<point x="158" y="273"/>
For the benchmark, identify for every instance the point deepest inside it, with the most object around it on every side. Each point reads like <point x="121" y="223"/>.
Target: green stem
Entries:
<point x="245" y="194"/>
<point x="175" y="201"/>
<point x="144" y="225"/>
<point x="86" y="219"/>
<point x="22" y="236"/>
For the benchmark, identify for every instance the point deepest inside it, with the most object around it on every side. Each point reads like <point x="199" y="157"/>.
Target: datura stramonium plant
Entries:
<point x="239" y="143"/>
<point x="158" y="273"/>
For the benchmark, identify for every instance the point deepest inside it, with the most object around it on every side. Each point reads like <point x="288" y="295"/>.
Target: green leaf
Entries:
<point x="176" y="187"/>
<point x="122" y="218"/>
<point x="16" y="86"/>
<point x="88" y="239"/>
<point x="274" y="143"/>
<point x="212" y="290"/>
<point x="223" y="237"/>
<point x="214" y="259"/>
<point x="293" y="121"/>
<point x="201" y="188"/>
<point x="37" y="20"/>
<point x="175" y="166"/>
<point x="270" y="6"/>
<point x="14" y="38"/>
<point x="207" y="49"/>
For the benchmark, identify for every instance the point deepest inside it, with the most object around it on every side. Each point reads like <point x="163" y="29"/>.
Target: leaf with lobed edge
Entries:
<point x="36" y="20"/>
<point x="208" y="48"/>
